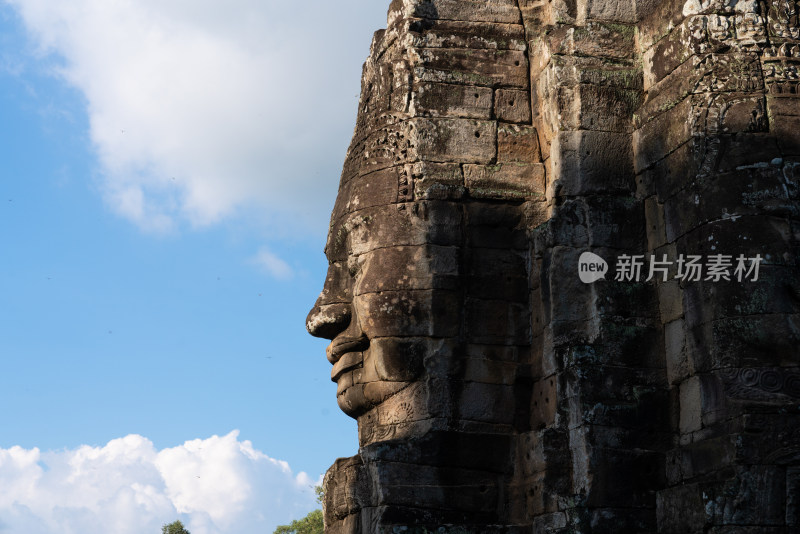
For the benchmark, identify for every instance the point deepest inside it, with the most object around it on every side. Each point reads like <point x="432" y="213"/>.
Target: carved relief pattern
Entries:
<point x="781" y="69"/>
<point x="761" y="383"/>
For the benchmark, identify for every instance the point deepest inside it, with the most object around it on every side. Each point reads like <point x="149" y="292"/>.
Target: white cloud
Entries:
<point x="273" y="265"/>
<point x="201" y="108"/>
<point x="216" y="485"/>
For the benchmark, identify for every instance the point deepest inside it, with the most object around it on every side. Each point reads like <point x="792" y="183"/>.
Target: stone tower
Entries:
<point x="564" y="292"/>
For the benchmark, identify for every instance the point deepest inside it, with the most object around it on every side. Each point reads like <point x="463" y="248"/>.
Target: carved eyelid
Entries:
<point x="340" y="237"/>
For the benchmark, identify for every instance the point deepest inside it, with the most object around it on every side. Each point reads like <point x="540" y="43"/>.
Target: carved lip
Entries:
<point x="347" y="362"/>
<point x="339" y="348"/>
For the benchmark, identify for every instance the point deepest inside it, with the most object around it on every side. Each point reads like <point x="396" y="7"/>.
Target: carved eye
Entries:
<point x="353" y="266"/>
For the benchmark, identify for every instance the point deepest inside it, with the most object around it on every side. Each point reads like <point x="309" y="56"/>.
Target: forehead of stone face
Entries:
<point x="355" y="232"/>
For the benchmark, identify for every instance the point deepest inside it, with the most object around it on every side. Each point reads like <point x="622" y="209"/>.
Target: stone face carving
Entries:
<point x="496" y="142"/>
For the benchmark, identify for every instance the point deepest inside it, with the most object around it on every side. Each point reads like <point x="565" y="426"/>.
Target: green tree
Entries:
<point x="175" y="528"/>
<point x="310" y="524"/>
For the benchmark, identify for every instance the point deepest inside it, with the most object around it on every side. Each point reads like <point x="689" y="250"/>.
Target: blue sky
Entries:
<point x="167" y="174"/>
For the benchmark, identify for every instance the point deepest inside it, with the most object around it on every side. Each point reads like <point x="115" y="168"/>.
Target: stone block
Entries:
<point x="615" y="11"/>
<point x="611" y="384"/>
<point x="503" y="11"/>
<point x="497" y="274"/>
<point x="447" y="449"/>
<point x="793" y="497"/>
<point x="437" y="181"/>
<point x="432" y="222"/>
<point x="747" y="530"/>
<point x="505" y="180"/>
<point x="587" y="162"/>
<point x="598" y="107"/>
<point x="384" y="394"/>
<point x="674" y="89"/>
<point x="444" y="33"/>
<point x="772" y="439"/>
<point x="786" y="129"/>
<point x="472" y="498"/>
<point x="496" y="322"/>
<point x="681" y="509"/>
<point x="744" y="342"/>
<point x="554" y="523"/>
<point x="755" y="495"/>
<point x="570" y="299"/>
<point x="511" y="105"/>
<point x="413" y="312"/>
<point x="540" y="316"/>
<point x="544" y="402"/>
<point x="782" y="106"/>
<point x="495" y="225"/>
<point x="490" y="371"/>
<point x="396" y="518"/>
<point x="630" y="342"/>
<point x="398" y="359"/>
<point x="447" y="100"/>
<point x="517" y="144"/>
<point x="592" y="39"/>
<point x="678" y="368"/>
<point x="656" y="227"/>
<point x="378" y="188"/>
<point x="731" y="299"/>
<point x="737" y="152"/>
<point x="571" y="70"/>
<point x="402" y="267"/>
<point x="675" y="171"/>
<point x="651" y="407"/>
<point x="491" y="68"/>
<point x="492" y="403"/>
<point x="455" y="140"/>
<point x="657" y="19"/>
<point x="624" y="478"/>
<point x="691" y="405"/>
<point x="707" y="456"/>
<point x="670" y="301"/>
<point x="614" y="520"/>
<point x="689" y="38"/>
<point x="498" y="353"/>
<point x="662" y="135"/>
<point x="729" y="197"/>
<point x="607" y="225"/>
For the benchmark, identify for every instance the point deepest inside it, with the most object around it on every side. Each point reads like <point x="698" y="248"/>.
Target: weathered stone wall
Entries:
<point x="716" y="146"/>
<point x="598" y="452"/>
<point x="496" y="142"/>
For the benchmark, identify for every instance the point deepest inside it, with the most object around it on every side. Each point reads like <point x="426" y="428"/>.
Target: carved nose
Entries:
<point x="328" y="320"/>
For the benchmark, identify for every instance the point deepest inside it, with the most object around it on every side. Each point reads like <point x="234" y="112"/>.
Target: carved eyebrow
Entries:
<point x="337" y="240"/>
<point x="339" y="233"/>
